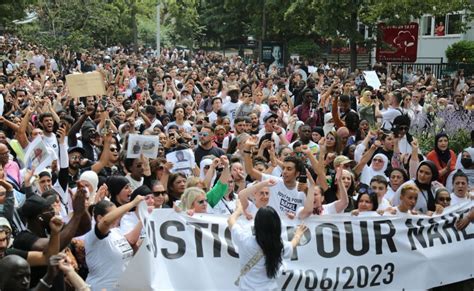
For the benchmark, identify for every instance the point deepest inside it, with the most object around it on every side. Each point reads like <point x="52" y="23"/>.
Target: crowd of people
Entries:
<point x="268" y="142"/>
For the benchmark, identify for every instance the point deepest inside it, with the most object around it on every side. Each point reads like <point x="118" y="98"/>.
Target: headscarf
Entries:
<point x="368" y="172"/>
<point x="430" y="200"/>
<point x="365" y="100"/>
<point x="319" y="130"/>
<point x="445" y="155"/>
<point x="115" y="184"/>
<point x="459" y="166"/>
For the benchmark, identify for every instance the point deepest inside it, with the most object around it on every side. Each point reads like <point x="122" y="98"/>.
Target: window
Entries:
<point x="426" y="25"/>
<point x="454" y="23"/>
<point x="441" y="25"/>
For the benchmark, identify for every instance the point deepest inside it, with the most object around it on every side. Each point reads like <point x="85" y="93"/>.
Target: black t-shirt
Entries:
<point x="199" y="153"/>
<point x="25" y="241"/>
<point x="13" y="251"/>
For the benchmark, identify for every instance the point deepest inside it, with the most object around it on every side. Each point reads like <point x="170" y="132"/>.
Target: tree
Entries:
<point x="341" y="18"/>
<point x="12" y="10"/>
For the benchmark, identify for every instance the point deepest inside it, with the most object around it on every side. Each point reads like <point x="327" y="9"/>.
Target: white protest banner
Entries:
<point x="338" y="252"/>
<point x="142" y="144"/>
<point x="88" y="84"/>
<point x="183" y="161"/>
<point x="39" y="155"/>
<point x="372" y="79"/>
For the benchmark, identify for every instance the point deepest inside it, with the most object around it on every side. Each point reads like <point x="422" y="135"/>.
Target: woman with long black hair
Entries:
<point x="261" y="255"/>
<point x="425" y="182"/>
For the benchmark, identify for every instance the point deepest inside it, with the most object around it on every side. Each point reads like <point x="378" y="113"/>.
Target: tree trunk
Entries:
<point x="134" y="25"/>
<point x="353" y="43"/>
<point x="264" y="27"/>
<point x="353" y="47"/>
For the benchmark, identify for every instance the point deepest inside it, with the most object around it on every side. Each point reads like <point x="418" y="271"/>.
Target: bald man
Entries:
<point x="15" y="274"/>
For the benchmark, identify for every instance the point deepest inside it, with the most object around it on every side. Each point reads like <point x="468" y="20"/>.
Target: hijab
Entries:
<point x="445" y="155"/>
<point x="430" y="200"/>
<point x="369" y="172"/>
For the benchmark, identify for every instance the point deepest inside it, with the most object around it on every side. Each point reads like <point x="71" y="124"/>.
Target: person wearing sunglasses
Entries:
<point x="442" y="197"/>
<point x="160" y="196"/>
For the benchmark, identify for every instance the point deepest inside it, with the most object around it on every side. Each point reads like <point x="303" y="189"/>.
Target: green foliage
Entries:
<point x="462" y="51"/>
<point x="458" y="141"/>
<point x="86" y="23"/>
<point x="304" y="47"/>
<point x="12" y="10"/>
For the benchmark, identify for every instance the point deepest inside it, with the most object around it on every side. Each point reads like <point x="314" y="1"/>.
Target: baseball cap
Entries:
<point x="35" y="205"/>
<point x="76" y="149"/>
<point x="269" y="115"/>
<point x="341" y="160"/>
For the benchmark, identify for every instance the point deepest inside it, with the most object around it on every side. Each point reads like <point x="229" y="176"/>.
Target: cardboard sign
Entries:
<point x="88" y="84"/>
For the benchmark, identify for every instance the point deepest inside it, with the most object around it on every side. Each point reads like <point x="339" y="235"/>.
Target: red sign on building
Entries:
<point x="397" y="43"/>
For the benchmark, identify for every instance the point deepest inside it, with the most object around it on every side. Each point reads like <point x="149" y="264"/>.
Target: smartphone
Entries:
<point x="106" y="129"/>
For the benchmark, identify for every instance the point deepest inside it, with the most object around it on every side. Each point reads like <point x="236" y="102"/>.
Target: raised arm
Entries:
<point x="254" y="174"/>
<point x="366" y="157"/>
<point x="309" y="201"/>
<point x="318" y="166"/>
<point x="210" y="173"/>
<point x="106" y="223"/>
<point x="343" y="200"/>
<point x="247" y="192"/>
<point x="220" y="189"/>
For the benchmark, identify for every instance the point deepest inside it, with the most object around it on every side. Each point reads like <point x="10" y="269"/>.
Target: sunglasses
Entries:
<point x="365" y="190"/>
<point x="271" y="121"/>
<point x="203" y="134"/>
<point x="445" y="199"/>
<point x="159" y="193"/>
<point x="114" y="149"/>
<point x="201" y="202"/>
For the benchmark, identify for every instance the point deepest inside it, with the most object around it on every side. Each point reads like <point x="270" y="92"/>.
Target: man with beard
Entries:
<point x="206" y="147"/>
<point x="307" y="111"/>
<point x="239" y="126"/>
<point x="304" y="136"/>
<point x="38" y="211"/>
<point x="47" y="123"/>
<point x="76" y="155"/>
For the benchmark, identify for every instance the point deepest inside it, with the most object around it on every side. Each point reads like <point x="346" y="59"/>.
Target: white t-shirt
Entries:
<point x="384" y="204"/>
<point x="106" y="258"/>
<point x="52" y="142"/>
<point x="455" y="199"/>
<point x="256" y="278"/>
<point x="231" y="108"/>
<point x="225" y="207"/>
<point x="327" y="209"/>
<point x="186" y="126"/>
<point x="212" y="117"/>
<point x="388" y="116"/>
<point x="282" y="199"/>
<point x="134" y="184"/>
